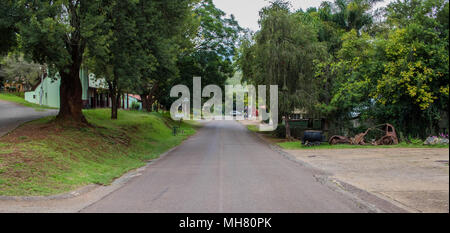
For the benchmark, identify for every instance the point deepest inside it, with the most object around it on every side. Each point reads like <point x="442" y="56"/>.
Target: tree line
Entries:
<point x="136" y="46"/>
<point x="346" y="61"/>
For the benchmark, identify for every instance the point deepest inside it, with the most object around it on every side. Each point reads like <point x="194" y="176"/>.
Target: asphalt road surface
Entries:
<point x="13" y="115"/>
<point x="225" y="169"/>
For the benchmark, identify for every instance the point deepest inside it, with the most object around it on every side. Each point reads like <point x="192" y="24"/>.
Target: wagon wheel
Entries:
<point x="334" y="141"/>
<point x="387" y="140"/>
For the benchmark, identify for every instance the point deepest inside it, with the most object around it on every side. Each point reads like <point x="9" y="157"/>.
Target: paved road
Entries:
<point x="13" y="115"/>
<point x="225" y="168"/>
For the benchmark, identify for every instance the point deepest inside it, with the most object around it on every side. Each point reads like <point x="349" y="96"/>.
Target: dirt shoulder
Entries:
<point x="414" y="179"/>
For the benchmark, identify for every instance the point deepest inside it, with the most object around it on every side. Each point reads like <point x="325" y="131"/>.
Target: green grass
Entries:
<point x="255" y="128"/>
<point x="325" y="146"/>
<point x="40" y="158"/>
<point x="20" y="100"/>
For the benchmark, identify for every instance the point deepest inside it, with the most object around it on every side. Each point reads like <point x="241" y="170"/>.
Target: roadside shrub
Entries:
<point x="19" y="94"/>
<point x="415" y="141"/>
<point x="135" y="106"/>
<point x="401" y="137"/>
<point x="280" y="132"/>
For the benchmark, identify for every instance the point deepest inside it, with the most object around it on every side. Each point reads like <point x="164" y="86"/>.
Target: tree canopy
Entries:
<point x="342" y="61"/>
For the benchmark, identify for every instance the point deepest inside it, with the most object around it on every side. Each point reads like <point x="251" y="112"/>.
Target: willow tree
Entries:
<point x="17" y="69"/>
<point x="282" y="54"/>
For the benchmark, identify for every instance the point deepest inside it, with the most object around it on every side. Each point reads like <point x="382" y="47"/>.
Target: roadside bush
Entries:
<point x="415" y="141"/>
<point x="135" y="106"/>
<point x="401" y="137"/>
<point x="19" y="94"/>
<point x="280" y="132"/>
<point x="12" y="89"/>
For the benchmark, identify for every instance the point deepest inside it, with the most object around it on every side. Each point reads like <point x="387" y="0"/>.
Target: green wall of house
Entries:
<point x="84" y="78"/>
<point x="50" y="89"/>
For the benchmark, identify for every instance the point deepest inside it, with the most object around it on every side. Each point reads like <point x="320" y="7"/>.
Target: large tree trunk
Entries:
<point x="148" y="99"/>
<point x="115" y="99"/>
<point x="71" y="104"/>
<point x="288" y="129"/>
<point x="115" y="105"/>
<point x="326" y="128"/>
<point x="146" y="102"/>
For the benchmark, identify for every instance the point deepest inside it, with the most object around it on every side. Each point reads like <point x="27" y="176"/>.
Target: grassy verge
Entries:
<point x="40" y="158"/>
<point x="20" y="100"/>
<point x="255" y="128"/>
<point x="325" y="146"/>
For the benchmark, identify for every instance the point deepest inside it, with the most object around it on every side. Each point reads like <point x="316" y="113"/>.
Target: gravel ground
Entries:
<point x="417" y="179"/>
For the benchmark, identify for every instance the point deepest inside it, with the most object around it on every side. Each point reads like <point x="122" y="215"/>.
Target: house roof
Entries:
<point x="36" y="85"/>
<point x="138" y="97"/>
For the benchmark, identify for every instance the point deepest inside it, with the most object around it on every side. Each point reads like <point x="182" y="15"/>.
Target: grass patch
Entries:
<point x="20" y="100"/>
<point x="255" y="128"/>
<point x="41" y="158"/>
<point x="325" y="146"/>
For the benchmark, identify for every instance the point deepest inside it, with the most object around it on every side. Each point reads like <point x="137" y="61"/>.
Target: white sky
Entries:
<point x="247" y="11"/>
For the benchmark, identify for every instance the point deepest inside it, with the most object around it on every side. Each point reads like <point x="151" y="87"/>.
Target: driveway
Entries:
<point x="226" y="168"/>
<point x="12" y="115"/>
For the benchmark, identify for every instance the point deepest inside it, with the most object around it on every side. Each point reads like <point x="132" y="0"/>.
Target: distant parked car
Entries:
<point x="235" y="113"/>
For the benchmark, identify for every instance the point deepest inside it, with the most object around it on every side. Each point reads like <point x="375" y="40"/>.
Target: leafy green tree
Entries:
<point x="57" y="33"/>
<point x="400" y="75"/>
<point x="162" y="37"/>
<point x="414" y="87"/>
<point x="10" y="13"/>
<point x="353" y="14"/>
<point x="115" y="57"/>
<point x="213" y="48"/>
<point x="346" y="74"/>
<point x="348" y="80"/>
